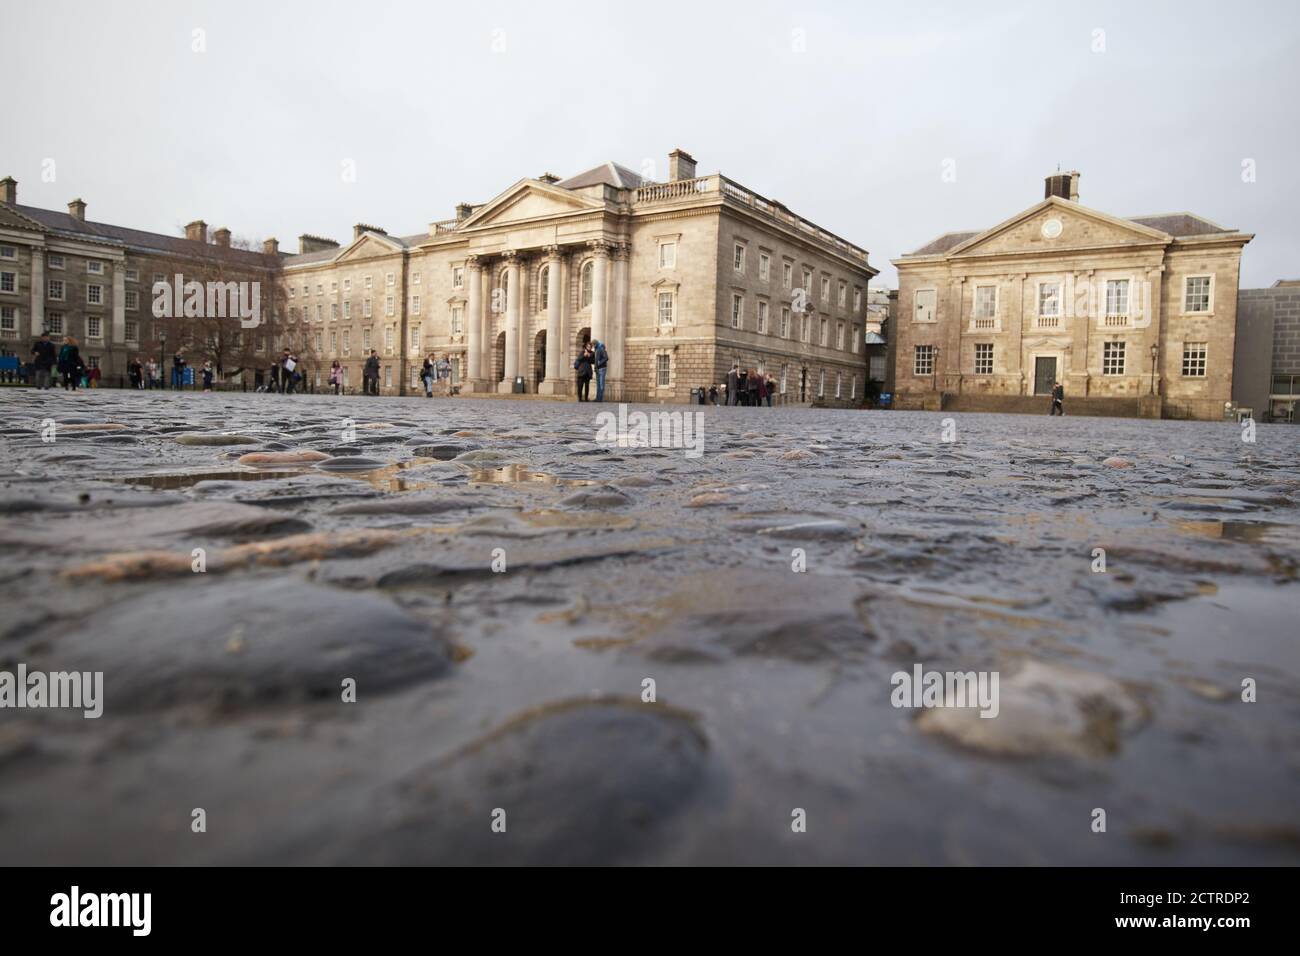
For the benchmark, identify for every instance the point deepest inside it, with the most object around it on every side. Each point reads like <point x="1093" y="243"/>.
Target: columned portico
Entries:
<point x="555" y="383"/>
<point x="513" y="307"/>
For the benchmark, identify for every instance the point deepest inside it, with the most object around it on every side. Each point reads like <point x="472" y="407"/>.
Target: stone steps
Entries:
<point x="1041" y="404"/>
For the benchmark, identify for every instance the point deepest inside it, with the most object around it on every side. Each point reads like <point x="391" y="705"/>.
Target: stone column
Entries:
<point x="600" y="292"/>
<point x="119" y="304"/>
<point x="552" y="385"/>
<point x="38" y="292"/>
<point x="485" y="314"/>
<point x="618" y="329"/>
<point x="512" y="322"/>
<point x="474" y="323"/>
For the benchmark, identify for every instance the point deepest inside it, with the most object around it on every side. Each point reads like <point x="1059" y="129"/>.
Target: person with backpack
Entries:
<point x="44" y="355"/>
<point x="583" y="365"/>
<point x="70" y="364"/>
<point x="601" y="357"/>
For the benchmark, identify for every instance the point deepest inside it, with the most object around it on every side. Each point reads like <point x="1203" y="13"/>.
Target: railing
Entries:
<point x="1049" y="322"/>
<point x="704" y="185"/>
<point x="1115" y="321"/>
<point x="443" y="227"/>
<point x="985" y="323"/>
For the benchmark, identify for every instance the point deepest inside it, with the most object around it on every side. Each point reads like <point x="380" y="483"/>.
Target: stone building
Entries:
<point x="1266" y="377"/>
<point x="1132" y="316"/>
<point x="680" y="279"/>
<point x="69" y="275"/>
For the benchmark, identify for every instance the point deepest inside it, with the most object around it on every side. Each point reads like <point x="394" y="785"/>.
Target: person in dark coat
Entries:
<point x="1058" y="399"/>
<point x="44" y="355"/>
<point x="371" y="373"/>
<point x="70" y="364"/>
<point x="755" y="389"/>
<point x="585" y="365"/>
<point x="733" y="382"/>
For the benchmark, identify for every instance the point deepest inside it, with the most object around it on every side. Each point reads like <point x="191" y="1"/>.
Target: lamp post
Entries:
<point x="1155" y="350"/>
<point x="162" y="354"/>
<point x="934" y="371"/>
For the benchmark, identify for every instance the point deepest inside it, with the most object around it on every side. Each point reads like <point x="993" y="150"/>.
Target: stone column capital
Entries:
<point x="475" y="263"/>
<point x="623" y="251"/>
<point x="552" y="253"/>
<point x="512" y="257"/>
<point x="599" y="248"/>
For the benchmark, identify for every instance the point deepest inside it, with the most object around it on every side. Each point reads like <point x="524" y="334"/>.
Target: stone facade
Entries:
<point x="1268" y="355"/>
<point x="1112" y="308"/>
<point x="651" y="269"/>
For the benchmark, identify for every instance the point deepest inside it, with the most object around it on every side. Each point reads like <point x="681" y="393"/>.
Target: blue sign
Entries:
<point x="886" y="399"/>
<point x="8" y="363"/>
<point x="187" y="377"/>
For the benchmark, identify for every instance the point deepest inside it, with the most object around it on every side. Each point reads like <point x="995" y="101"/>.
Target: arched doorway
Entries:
<point x="539" y="357"/>
<point x="580" y="342"/>
<point x="499" y="358"/>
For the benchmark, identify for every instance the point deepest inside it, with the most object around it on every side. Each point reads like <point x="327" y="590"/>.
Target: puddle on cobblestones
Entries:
<point x="188" y="479"/>
<point x="1254" y="532"/>
<point x="521" y="474"/>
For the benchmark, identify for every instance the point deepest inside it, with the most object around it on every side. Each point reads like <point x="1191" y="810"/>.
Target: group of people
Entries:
<point x="592" y="363"/>
<point x="65" y="361"/>
<point x="744" y="386"/>
<point x="434" y="371"/>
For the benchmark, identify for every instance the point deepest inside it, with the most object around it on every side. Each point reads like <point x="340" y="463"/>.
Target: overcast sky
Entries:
<point x="847" y="112"/>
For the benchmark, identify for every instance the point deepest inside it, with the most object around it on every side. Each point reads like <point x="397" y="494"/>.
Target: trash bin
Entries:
<point x="519" y="385"/>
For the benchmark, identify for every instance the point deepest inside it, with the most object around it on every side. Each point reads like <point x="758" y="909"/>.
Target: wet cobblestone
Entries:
<point x="378" y="559"/>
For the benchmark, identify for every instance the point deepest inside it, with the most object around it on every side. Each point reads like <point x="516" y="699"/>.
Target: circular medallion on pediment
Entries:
<point x="1052" y="228"/>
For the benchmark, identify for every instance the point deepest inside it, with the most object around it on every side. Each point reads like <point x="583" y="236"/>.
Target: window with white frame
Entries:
<point x="390" y="279"/>
<point x="585" y="279"/>
<point x="334" y="286"/>
<point x="365" y="308"/>
<point x="389" y="307"/>
<point x="347" y="342"/>
<point x="544" y="288"/>
<point x="986" y="302"/>
<point x="94" y="327"/>
<point x="56" y="290"/>
<point x="839" y="335"/>
<point x="1117" y="297"/>
<point x="55" y="261"/>
<point x="738" y="262"/>
<point x="132" y="275"/>
<point x="457" y="320"/>
<point x="347" y="285"/>
<point x="132" y="330"/>
<point x="9" y="282"/>
<point x="9" y="321"/>
<point x="825" y="336"/>
<point x="805" y="328"/>
<point x="923" y="361"/>
<point x="787" y="275"/>
<point x="663" y="370"/>
<point x="983" y="358"/>
<point x="667" y="255"/>
<point x="334" y="342"/>
<point x="821" y="383"/>
<point x="92" y="361"/>
<point x="1194" y="359"/>
<point x="94" y="295"/>
<point x="293" y="293"/>
<point x="839" y="384"/>
<point x="1112" y="358"/>
<point x="306" y="289"/>
<point x="785" y="377"/>
<point x="365" y="339"/>
<point x="665" y="309"/>
<point x="316" y="341"/>
<point x="94" y="267"/>
<point x="388" y="340"/>
<point x="855" y="339"/>
<point x="415" y="278"/>
<point x="762" y="317"/>
<point x="1049" y="300"/>
<point x="368" y="282"/>
<point x="857" y="304"/>
<point x="415" y="305"/>
<point x="54" y="323"/>
<point x="320" y="288"/>
<point x="320" y="315"/>
<point x="1196" y="298"/>
<point x="415" y="339"/>
<point x="132" y="300"/>
<point x="785" y="322"/>
<point x="334" y="312"/>
<point x="764" y="266"/>
<point x="347" y="308"/>
<point x="388" y="376"/>
<point x="844" y="295"/>
<point x="8" y="252"/>
<point x="924" y="311"/>
<point x="853" y="388"/>
<point x="826" y="288"/>
<point x="458" y="277"/>
<point x="737" y="311"/>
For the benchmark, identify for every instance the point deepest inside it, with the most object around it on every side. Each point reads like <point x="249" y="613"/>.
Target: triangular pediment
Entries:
<point x="527" y="200"/>
<point x="367" y="246"/>
<point x="1080" y="228"/>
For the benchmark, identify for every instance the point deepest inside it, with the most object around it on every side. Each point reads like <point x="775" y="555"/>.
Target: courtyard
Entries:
<point x="479" y="631"/>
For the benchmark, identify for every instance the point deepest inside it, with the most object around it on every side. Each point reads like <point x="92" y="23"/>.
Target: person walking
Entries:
<point x="92" y="376"/>
<point x="755" y="389"/>
<point x="770" y="388"/>
<point x="1058" y="399"/>
<point x="44" y="355"/>
<point x="289" y="374"/>
<point x="371" y="374"/>
<point x="336" y="376"/>
<point x="151" y="370"/>
<point x="69" y="363"/>
<point x="428" y="372"/>
<point x="443" y="368"/>
<point x="207" y="376"/>
<point x="583" y="365"/>
<point x="742" y="386"/>
<point x="178" y="370"/>
<point x="601" y="357"/>
<point x="135" y="372"/>
<point x="733" y="383"/>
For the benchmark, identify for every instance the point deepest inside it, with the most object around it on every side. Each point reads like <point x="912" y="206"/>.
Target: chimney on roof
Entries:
<point x="681" y="165"/>
<point x="9" y="190"/>
<point x="197" y="231"/>
<point x="77" y="210"/>
<point x="271" y="247"/>
<point x="463" y="211"/>
<point x="549" y="178"/>
<point x="222" y="237"/>
<point x="1063" y="185"/>
<point x="361" y="228"/>
<point x="310" y="243"/>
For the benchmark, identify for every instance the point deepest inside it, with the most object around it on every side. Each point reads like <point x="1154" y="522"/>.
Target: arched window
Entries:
<point x="543" y="283"/>
<point x="584" y="287"/>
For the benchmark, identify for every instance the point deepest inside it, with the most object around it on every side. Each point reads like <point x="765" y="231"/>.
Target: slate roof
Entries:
<point x="943" y="243"/>
<point x="137" y="239"/>
<point x="611" y="174"/>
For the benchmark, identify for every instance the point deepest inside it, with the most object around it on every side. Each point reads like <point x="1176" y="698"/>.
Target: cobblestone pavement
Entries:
<point x="521" y="690"/>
